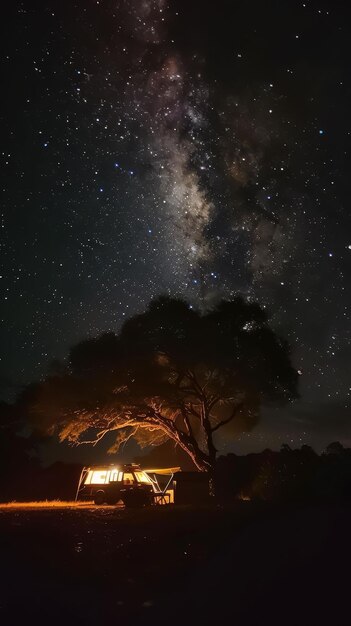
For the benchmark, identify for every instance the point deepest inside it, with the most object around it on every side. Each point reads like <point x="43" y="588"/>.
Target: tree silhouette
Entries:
<point x="335" y="448"/>
<point x="171" y="373"/>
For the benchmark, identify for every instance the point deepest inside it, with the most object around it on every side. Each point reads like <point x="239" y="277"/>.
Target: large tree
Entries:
<point x="171" y="373"/>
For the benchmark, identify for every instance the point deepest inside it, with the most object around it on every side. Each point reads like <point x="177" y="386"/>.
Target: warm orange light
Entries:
<point x="103" y="476"/>
<point x="45" y="504"/>
<point x="143" y="478"/>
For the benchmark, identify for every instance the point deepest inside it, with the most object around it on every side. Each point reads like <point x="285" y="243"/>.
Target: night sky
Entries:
<point x="194" y="148"/>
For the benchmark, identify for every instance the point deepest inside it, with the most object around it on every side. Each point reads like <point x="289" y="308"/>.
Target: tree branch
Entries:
<point x="133" y="432"/>
<point x="197" y="385"/>
<point x="213" y="402"/>
<point x="228" y="419"/>
<point x="149" y="417"/>
<point x="193" y="411"/>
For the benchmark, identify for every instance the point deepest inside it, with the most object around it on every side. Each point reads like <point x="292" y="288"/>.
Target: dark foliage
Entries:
<point x="289" y="475"/>
<point x="172" y="373"/>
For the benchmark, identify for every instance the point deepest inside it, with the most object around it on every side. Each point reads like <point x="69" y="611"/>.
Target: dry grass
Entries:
<point x="46" y="504"/>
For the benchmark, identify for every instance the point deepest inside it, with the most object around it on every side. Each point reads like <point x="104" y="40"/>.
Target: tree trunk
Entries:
<point x="212" y="479"/>
<point x="212" y="451"/>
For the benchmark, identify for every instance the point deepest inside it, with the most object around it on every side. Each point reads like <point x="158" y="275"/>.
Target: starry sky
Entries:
<point x="198" y="149"/>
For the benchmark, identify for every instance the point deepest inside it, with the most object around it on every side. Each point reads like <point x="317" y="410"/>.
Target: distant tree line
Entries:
<point x="288" y="475"/>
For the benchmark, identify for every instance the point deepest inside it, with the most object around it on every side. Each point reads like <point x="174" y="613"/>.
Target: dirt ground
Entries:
<point x="245" y="564"/>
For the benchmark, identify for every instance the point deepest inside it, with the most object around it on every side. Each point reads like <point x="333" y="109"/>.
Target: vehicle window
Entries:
<point x="114" y="475"/>
<point x="98" y="477"/>
<point x="142" y="477"/>
<point x="128" y="478"/>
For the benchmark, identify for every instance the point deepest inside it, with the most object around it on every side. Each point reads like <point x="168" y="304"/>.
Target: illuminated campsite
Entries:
<point x="128" y="484"/>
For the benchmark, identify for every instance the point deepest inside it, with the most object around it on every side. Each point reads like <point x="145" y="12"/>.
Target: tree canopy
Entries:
<point x="171" y="373"/>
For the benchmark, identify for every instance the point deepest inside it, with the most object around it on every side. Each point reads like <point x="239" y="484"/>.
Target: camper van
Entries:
<point x="129" y="484"/>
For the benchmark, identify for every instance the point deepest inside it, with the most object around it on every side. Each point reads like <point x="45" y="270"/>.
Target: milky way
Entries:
<point x="203" y="150"/>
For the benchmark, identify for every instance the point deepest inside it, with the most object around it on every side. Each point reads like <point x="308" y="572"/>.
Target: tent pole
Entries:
<point x="80" y="482"/>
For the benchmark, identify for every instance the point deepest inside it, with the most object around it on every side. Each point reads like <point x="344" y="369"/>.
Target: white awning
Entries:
<point x="162" y="470"/>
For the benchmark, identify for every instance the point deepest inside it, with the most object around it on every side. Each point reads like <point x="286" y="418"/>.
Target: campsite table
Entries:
<point x="161" y="497"/>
